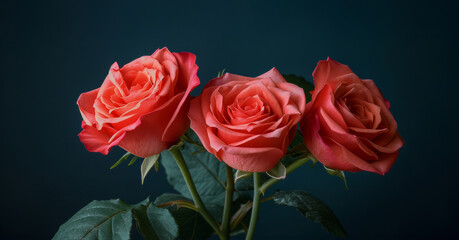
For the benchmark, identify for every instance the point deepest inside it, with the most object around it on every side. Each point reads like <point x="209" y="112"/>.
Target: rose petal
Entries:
<point x="86" y="105"/>
<point x="251" y="159"/>
<point x="98" y="141"/>
<point x="146" y="139"/>
<point x="325" y="100"/>
<point x="332" y="72"/>
<point x="275" y="76"/>
<point x="188" y="77"/>
<point x="195" y="114"/>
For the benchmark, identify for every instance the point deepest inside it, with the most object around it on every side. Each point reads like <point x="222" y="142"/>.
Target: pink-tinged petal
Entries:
<point x="251" y="159"/>
<point x="114" y="79"/>
<point x="297" y="95"/>
<point x="342" y="153"/>
<point x="310" y="127"/>
<point x="147" y="138"/>
<point x="215" y="142"/>
<point x="195" y="114"/>
<point x="350" y="119"/>
<point x="388" y="120"/>
<point x="130" y="70"/>
<point x="187" y="77"/>
<point x="258" y="88"/>
<point x="394" y="145"/>
<point x="274" y="75"/>
<point x="178" y="123"/>
<point x="387" y="103"/>
<point x="284" y="98"/>
<point x="325" y="100"/>
<point x="227" y="78"/>
<point x="164" y="54"/>
<point x="369" y="134"/>
<point x="349" y="141"/>
<point x="86" y="105"/>
<point x="98" y="141"/>
<point x="331" y="72"/>
<point x="385" y="163"/>
<point x="375" y="91"/>
<point x="188" y="69"/>
<point x="328" y="151"/>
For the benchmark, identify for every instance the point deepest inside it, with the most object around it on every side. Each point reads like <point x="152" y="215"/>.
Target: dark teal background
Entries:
<point x="53" y="51"/>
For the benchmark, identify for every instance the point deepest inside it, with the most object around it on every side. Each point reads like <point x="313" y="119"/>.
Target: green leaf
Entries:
<point x="154" y="222"/>
<point x="147" y="164"/>
<point x="171" y="199"/>
<point x="240" y="214"/>
<point x="156" y="166"/>
<point x="109" y="219"/>
<point x="300" y="82"/>
<point x="132" y="160"/>
<point x="246" y="184"/>
<point x="278" y="171"/>
<point x="163" y="222"/>
<point x="191" y="224"/>
<point x="241" y="174"/>
<point x="338" y="173"/>
<point x="143" y="224"/>
<point x="208" y="173"/>
<point x="124" y="157"/>
<point x="221" y="73"/>
<point x="312" y="208"/>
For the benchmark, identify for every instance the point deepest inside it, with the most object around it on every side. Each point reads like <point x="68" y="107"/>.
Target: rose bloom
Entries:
<point x="348" y="125"/>
<point x="142" y="106"/>
<point x="248" y="122"/>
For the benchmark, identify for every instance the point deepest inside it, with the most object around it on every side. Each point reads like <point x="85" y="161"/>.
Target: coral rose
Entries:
<point x="248" y="122"/>
<point x="142" y="106"/>
<point x="348" y="125"/>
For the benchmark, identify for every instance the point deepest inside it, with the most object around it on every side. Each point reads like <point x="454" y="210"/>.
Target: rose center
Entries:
<point x="246" y="110"/>
<point x="356" y="100"/>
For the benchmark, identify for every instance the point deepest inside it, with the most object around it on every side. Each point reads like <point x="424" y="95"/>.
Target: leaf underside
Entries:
<point x="312" y="208"/>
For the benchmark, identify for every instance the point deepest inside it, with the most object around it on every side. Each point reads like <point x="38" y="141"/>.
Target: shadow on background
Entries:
<point x="52" y="52"/>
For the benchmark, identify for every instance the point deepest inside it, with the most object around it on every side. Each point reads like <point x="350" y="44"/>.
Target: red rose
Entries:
<point x="248" y="122"/>
<point x="348" y="125"/>
<point x="141" y="107"/>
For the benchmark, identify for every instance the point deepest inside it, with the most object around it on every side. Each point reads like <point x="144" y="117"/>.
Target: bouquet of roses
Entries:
<point x="222" y="150"/>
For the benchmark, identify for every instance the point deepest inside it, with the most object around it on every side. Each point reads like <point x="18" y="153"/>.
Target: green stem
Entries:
<point x="289" y="169"/>
<point x="256" y="204"/>
<point x="175" y="151"/>
<point x="228" y="201"/>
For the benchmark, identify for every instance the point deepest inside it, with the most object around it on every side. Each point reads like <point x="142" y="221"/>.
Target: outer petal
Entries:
<point x="179" y="122"/>
<point x="329" y="152"/>
<point x="251" y="159"/>
<point x="310" y="127"/>
<point x="385" y="163"/>
<point x="227" y="78"/>
<point x="331" y="72"/>
<point x="86" y="105"/>
<point x="274" y="74"/>
<point x="197" y="121"/>
<point x="146" y="139"/>
<point x="98" y="141"/>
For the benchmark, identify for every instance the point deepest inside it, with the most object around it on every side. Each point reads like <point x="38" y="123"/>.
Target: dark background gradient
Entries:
<point x="52" y="52"/>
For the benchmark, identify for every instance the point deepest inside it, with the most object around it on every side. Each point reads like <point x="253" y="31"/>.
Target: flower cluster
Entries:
<point x="252" y="124"/>
<point x="144" y="107"/>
